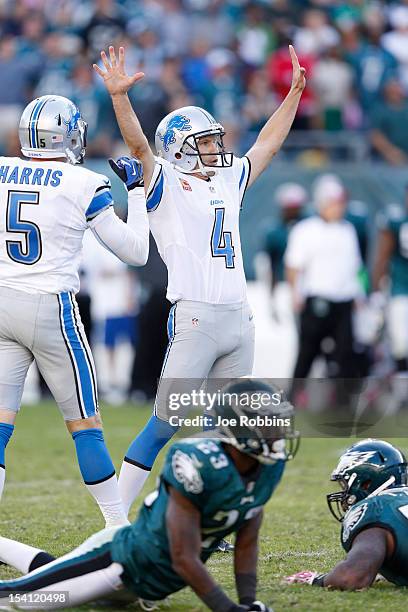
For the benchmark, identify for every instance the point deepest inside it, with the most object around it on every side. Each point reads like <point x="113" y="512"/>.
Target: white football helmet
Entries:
<point x="177" y="138"/>
<point x="51" y="127"/>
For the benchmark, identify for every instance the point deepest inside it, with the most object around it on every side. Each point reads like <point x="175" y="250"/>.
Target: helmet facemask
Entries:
<point x="191" y="148"/>
<point x="270" y="439"/>
<point x="365" y="470"/>
<point x="268" y="450"/>
<point x="76" y="154"/>
<point x="340" y="501"/>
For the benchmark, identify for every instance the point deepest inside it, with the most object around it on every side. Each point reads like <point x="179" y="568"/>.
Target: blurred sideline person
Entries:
<point x="194" y="193"/>
<point x="391" y="263"/>
<point x="291" y="199"/>
<point x="372" y="508"/>
<point x="47" y="203"/>
<point x="152" y="336"/>
<point x="208" y="488"/>
<point x="357" y="214"/>
<point x="322" y="265"/>
<point x="113" y="289"/>
<point x="367" y="318"/>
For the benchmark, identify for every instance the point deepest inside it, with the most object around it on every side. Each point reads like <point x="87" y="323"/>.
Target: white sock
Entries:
<point x="108" y="498"/>
<point x="131" y="481"/>
<point x="17" y="554"/>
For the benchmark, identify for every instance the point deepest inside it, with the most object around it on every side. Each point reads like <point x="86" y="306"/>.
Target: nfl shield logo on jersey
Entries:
<point x="194" y="321"/>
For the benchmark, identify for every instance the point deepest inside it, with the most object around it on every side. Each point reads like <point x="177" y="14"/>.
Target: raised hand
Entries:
<point x="129" y="170"/>
<point x="298" y="74"/>
<point x="114" y="76"/>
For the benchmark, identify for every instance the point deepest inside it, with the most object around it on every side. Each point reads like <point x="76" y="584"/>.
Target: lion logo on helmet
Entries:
<point x="72" y="121"/>
<point x="178" y="122"/>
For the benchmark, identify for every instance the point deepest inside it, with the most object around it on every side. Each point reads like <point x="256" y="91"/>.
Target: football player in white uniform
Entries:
<point x="47" y="202"/>
<point x="194" y="195"/>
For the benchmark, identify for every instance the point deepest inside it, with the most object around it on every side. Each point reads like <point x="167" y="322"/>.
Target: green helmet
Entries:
<point x="365" y="469"/>
<point x="256" y="418"/>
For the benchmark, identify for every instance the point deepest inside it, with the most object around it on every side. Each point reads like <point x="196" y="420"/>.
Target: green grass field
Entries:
<point x="46" y="505"/>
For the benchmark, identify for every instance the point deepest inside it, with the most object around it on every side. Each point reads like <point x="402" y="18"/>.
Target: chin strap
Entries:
<point x="382" y="487"/>
<point x="70" y="156"/>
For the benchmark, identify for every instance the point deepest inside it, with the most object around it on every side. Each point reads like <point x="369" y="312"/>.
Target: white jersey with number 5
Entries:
<point x="45" y="208"/>
<point x="195" y="224"/>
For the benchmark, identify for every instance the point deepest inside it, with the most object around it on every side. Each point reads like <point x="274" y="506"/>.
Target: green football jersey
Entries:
<point x="389" y="510"/>
<point x="357" y="215"/>
<point x="275" y="245"/>
<point x="203" y="473"/>
<point x="395" y="220"/>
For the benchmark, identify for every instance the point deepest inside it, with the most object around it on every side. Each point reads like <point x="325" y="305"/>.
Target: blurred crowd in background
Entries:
<point x="229" y="56"/>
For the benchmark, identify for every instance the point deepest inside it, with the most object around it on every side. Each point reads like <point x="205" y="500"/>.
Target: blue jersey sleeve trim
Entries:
<point x="246" y="169"/>
<point x="99" y="203"/>
<point x="242" y="175"/>
<point x="155" y="195"/>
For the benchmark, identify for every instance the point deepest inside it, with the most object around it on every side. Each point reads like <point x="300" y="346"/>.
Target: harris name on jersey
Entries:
<point x="30" y="176"/>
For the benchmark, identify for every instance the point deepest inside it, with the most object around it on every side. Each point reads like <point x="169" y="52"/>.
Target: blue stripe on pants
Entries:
<point x="82" y="365"/>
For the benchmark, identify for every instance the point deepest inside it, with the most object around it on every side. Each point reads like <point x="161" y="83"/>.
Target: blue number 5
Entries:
<point x="28" y="249"/>
<point x="221" y="242"/>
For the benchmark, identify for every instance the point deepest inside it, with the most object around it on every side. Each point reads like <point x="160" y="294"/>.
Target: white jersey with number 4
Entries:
<point x="195" y="224"/>
<point x="45" y="208"/>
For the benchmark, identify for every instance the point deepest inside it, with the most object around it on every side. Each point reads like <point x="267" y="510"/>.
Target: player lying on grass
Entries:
<point x="208" y="488"/>
<point x="372" y="507"/>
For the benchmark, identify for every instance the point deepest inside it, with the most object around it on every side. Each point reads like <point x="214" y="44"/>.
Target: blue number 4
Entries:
<point x="28" y="249"/>
<point x="221" y="242"/>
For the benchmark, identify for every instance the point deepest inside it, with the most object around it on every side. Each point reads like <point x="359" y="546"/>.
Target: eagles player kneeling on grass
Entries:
<point x="373" y="510"/>
<point x="208" y="489"/>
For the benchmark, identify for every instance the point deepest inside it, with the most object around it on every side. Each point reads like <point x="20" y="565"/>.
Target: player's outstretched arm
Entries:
<point x="128" y="241"/>
<point x="359" y="568"/>
<point x="275" y="131"/>
<point x="183" y="529"/>
<point x="118" y="83"/>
